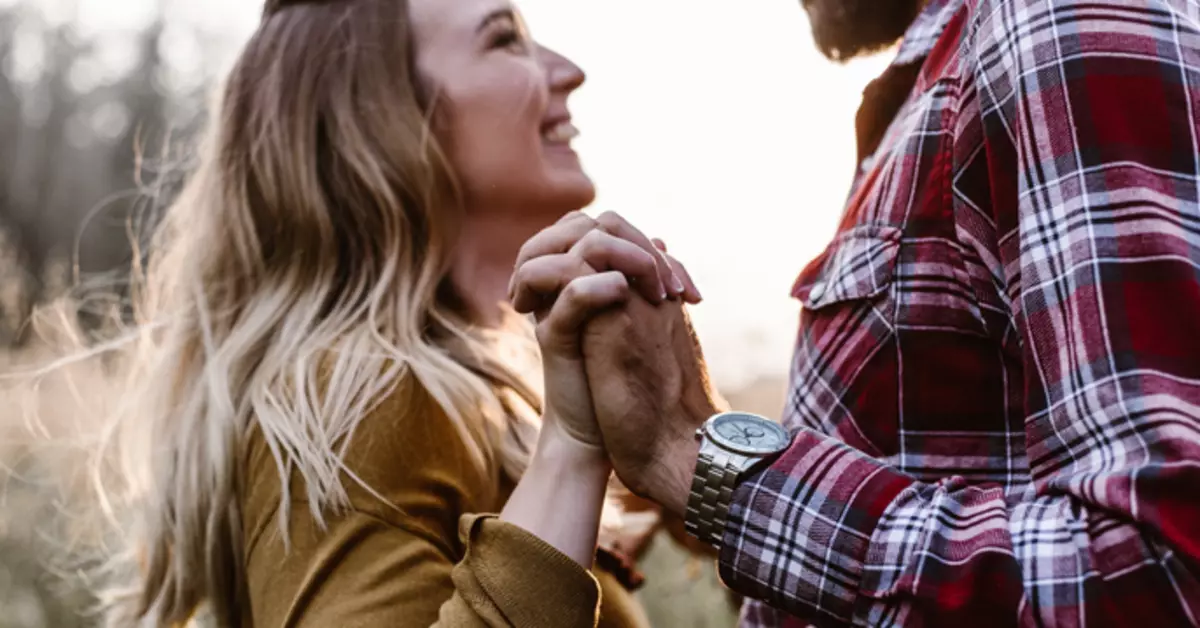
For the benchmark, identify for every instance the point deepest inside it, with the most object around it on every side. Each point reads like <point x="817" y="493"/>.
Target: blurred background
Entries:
<point x="714" y="125"/>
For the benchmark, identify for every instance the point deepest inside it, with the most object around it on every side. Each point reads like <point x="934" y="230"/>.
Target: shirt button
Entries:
<point x="817" y="291"/>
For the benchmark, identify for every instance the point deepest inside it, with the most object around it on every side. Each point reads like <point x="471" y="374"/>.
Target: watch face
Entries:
<point x="748" y="433"/>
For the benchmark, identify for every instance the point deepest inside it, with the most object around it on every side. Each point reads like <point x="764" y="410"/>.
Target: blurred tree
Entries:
<point x="73" y="137"/>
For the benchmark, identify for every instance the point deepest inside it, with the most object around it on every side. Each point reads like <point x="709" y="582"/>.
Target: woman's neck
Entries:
<point x="484" y="257"/>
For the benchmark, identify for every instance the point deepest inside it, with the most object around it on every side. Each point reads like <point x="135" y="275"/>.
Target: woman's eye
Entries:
<point x="509" y="39"/>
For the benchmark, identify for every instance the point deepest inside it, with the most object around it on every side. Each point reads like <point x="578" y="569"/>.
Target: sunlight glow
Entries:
<point x="715" y="125"/>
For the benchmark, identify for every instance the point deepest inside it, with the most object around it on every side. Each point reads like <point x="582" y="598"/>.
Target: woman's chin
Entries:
<point x="574" y="189"/>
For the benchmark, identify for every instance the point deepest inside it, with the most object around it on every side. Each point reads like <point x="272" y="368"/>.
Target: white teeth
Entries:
<point x="561" y="133"/>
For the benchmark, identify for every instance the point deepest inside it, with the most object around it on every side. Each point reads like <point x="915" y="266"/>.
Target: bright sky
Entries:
<point x="715" y="125"/>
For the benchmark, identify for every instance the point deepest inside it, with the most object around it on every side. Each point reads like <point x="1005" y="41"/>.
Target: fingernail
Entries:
<point x="664" y="296"/>
<point x="676" y="284"/>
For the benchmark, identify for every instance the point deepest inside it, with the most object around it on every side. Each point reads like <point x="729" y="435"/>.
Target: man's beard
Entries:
<point x="843" y="29"/>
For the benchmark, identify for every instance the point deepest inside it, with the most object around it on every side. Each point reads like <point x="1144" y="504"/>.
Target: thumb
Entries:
<point x="582" y="299"/>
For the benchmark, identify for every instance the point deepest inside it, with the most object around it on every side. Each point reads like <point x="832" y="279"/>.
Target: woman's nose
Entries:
<point x="563" y="74"/>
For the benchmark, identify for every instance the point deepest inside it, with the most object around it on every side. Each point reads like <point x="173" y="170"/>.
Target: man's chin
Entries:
<point x="845" y="29"/>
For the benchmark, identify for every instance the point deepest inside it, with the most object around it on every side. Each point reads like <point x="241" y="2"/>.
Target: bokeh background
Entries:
<point x="712" y="124"/>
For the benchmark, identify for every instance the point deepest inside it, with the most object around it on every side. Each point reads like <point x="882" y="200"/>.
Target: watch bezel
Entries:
<point x="709" y="429"/>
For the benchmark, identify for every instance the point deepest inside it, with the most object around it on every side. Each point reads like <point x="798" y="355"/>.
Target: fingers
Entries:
<point x="613" y="223"/>
<point x="604" y="251"/>
<point x="538" y="280"/>
<point x="574" y="227"/>
<point x="581" y="299"/>
<point x="691" y="293"/>
<point x="557" y="238"/>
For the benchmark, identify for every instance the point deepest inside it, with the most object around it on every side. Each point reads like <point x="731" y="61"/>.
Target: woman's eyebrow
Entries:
<point x="498" y="14"/>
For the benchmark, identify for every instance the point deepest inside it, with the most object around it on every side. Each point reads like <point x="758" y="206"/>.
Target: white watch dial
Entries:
<point x="747" y="433"/>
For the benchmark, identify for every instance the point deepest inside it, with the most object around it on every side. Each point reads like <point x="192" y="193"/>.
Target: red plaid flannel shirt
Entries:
<point x="996" y="385"/>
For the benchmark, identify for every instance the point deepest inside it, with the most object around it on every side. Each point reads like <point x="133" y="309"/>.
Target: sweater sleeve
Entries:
<point x="362" y="572"/>
<point x="407" y="552"/>
<point x="510" y="577"/>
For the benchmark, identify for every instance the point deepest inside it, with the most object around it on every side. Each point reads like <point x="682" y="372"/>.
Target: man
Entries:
<point x="995" y="404"/>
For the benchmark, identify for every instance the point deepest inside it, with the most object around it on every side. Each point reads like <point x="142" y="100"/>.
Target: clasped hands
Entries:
<point x="625" y="376"/>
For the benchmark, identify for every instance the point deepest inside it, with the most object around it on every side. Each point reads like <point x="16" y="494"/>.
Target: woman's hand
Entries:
<point x="565" y="275"/>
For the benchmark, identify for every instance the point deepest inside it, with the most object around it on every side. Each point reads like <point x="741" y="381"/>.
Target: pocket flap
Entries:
<point x="859" y="264"/>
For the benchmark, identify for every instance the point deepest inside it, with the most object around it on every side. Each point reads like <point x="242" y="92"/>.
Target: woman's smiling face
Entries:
<point x="500" y="107"/>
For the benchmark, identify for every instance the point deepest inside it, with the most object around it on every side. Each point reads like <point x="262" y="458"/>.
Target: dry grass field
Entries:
<point x="41" y="513"/>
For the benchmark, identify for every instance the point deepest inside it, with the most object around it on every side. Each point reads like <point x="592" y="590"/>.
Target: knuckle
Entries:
<point x="573" y="215"/>
<point x="594" y="240"/>
<point x="610" y="220"/>
<point x="526" y="250"/>
<point x="572" y="292"/>
<point x="581" y="220"/>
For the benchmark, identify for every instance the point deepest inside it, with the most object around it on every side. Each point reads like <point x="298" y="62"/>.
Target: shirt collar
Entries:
<point x="924" y="32"/>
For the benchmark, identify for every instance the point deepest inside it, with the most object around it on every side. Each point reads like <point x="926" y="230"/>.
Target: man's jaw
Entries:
<point x="845" y="29"/>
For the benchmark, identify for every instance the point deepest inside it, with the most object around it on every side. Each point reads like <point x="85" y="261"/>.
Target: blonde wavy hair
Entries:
<point x="298" y="276"/>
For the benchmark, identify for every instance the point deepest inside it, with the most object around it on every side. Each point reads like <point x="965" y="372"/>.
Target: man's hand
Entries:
<point x="644" y="369"/>
<point x="564" y="275"/>
<point x="651" y="390"/>
<point x="568" y="272"/>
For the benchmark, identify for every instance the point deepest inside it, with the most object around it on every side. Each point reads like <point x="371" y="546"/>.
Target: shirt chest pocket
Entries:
<point x="846" y="325"/>
<point x="871" y="285"/>
<point x="873" y="292"/>
<point x="858" y="266"/>
<point x="903" y="284"/>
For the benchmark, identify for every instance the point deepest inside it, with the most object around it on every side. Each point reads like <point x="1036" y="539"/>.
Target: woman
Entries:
<point x="328" y="383"/>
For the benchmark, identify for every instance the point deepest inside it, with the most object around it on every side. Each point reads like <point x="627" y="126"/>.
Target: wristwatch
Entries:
<point x="731" y="445"/>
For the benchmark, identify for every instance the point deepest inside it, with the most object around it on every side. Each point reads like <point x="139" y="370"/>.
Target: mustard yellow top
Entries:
<point x="423" y="558"/>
